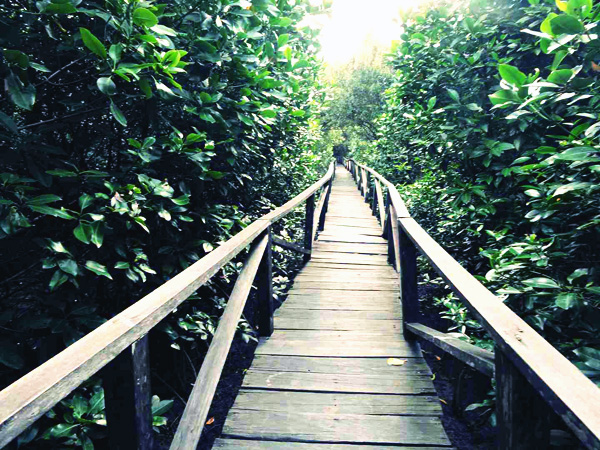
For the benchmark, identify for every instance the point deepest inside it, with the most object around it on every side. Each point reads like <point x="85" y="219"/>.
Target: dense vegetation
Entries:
<point x="490" y="129"/>
<point x="135" y="137"/>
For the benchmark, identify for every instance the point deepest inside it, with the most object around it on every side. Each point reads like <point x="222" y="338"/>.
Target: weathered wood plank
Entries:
<point x="341" y="315"/>
<point x="340" y="325"/>
<point x="350" y="366"/>
<point x="236" y="444"/>
<point x="348" y="349"/>
<point x="352" y="275"/>
<point x="337" y="403"/>
<point x="405" y="430"/>
<point x="347" y="286"/>
<point x="324" y="294"/>
<point x="475" y="357"/>
<point x="290" y="245"/>
<point x="341" y="382"/>
<point x="359" y="248"/>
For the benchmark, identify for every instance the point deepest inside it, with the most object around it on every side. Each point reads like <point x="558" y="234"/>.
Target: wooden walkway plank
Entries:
<point x="323" y="380"/>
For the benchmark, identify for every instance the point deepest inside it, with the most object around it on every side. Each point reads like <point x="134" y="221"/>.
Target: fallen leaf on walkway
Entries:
<point x="395" y="362"/>
<point x="210" y="421"/>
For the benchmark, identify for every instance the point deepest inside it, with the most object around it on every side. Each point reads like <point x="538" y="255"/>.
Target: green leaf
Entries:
<point x="97" y="268"/>
<point x="268" y="113"/>
<point x="533" y="193"/>
<point x="580" y="8"/>
<point x="565" y="24"/>
<point x="577" y="154"/>
<point x="17" y="57"/>
<point x="85" y="200"/>
<point x="301" y="64"/>
<point x="92" y="43"/>
<point x="83" y="232"/>
<point x="49" y="211"/>
<point x="566" y="300"/>
<point x="298" y="113"/>
<point x="453" y="95"/>
<point x="504" y="97"/>
<point x="164" y="31"/>
<point x="114" y="52"/>
<point x="63" y="430"/>
<point x="144" y="17"/>
<point x="118" y="114"/>
<point x="561" y="76"/>
<point x="545" y="27"/>
<point x="57" y="279"/>
<point x="590" y="356"/>
<point x="69" y="266"/>
<point x="61" y="173"/>
<point x="43" y="199"/>
<point x="541" y="282"/>
<point x="107" y="86"/>
<point x="96" y="403"/>
<point x="57" y="247"/>
<point x="21" y="95"/>
<point x="575" y="186"/>
<point x="577" y="273"/>
<point x="97" y="234"/>
<point x="122" y="265"/>
<point x="282" y="40"/>
<point x="512" y="75"/>
<point x="161" y="407"/>
<point x="431" y="103"/>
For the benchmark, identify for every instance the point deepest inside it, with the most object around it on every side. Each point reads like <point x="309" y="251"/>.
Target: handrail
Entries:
<point x="34" y="394"/>
<point x="527" y="366"/>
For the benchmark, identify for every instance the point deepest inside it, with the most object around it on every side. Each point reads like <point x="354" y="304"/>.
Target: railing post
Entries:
<point x="128" y="398"/>
<point x="408" y="280"/>
<point x="374" y="203"/>
<point x="329" y="186"/>
<point x="308" y="225"/>
<point x="264" y="284"/>
<point x="521" y="414"/>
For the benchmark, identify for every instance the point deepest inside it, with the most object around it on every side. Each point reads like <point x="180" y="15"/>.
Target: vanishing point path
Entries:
<point x="323" y="380"/>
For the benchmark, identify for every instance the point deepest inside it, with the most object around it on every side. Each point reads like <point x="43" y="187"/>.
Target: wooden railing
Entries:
<point x="121" y="343"/>
<point x="530" y="373"/>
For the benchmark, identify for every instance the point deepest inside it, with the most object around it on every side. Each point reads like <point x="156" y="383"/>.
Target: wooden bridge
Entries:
<point x="322" y="377"/>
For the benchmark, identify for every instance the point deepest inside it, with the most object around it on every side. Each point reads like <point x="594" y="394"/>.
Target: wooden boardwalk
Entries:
<point x="322" y="380"/>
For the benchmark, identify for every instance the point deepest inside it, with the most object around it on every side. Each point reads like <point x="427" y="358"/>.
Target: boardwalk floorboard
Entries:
<point x="323" y="380"/>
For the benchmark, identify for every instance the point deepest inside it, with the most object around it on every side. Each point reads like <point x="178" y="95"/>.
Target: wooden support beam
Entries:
<point x="289" y="245"/>
<point x="475" y="357"/>
<point x="308" y="226"/>
<point x="395" y="236"/>
<point x="264" y="285"/>
<point x="408" y="280"/>
<point x="128" y="398"/>
<point x="325" y="207"/>
<point x="522" y="416"/>
<point x="380" y="203"/>
<point x="194" y="416"/>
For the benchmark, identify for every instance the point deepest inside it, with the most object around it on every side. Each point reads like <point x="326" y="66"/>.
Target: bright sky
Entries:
<point x="352" y="22"/>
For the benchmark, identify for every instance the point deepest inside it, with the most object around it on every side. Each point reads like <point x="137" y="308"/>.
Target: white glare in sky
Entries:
<point x="352" y="22"/>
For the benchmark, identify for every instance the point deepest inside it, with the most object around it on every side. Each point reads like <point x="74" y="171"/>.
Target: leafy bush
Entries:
<point x="491" y="132"/>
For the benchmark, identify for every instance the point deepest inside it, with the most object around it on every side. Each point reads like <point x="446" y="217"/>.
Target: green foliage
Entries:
<point x="135" y="138"/>
<point x="490" y="129"/>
